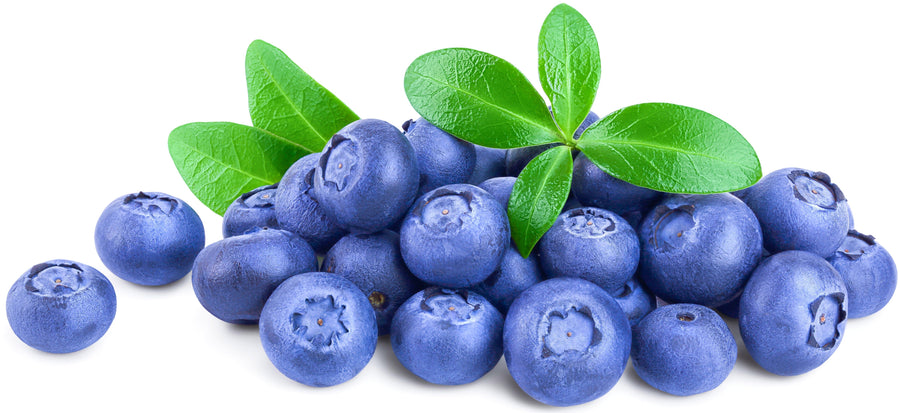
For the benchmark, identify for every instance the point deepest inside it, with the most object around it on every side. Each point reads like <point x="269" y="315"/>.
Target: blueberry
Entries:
<point x="593" y="244"/>
<point x="255" y="209"/>
<point x="518" y="158"/>
<point x="447" y="336"/>
<point x="793" y="311"/>
<point x="233" y="277"/>
<point x="374" y="264"/>
<point x="149" y="238"/>
<point x="367" y="176"/>
<point x="799" y="209"/>
<point x="868" y="272"/>
<point x="443" y="159"/>
<point x="699" y="248"/>
<point x="683" y="349"/>
<point x="566" y="341"/>
<point x="454" y="236"/>
<point x="60" y="306"/>
<point x="515" y="275"/>
<point x="594" y="187"/>
<point x="489" y="163"/>
<point x="635" y="300"/>
<point x="318" y="329"/>
<point x="298" y="211"/>
<point x="501" y="188"/>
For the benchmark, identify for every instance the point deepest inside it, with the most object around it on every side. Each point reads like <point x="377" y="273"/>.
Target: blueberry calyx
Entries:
<point x="54" y="280"/>
<point x="856" y="244"/>
<point x="568" y="333"/>
<point x="809" y="188"/>
<point x="444" y="209"/>
<point x="452" y="306"/>
<point x="263" y="197"/>
<point x="407" y="125"/>
<point x="828" y="314"/>
<point x="151" y="203"/>
<point x="670" y="225"/>
<point x="588" y="223"/>
<point x="337" y="172"/>
<point x="320" y="322"/>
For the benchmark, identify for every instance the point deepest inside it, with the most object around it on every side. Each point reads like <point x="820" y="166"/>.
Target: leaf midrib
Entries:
<point x="271" y="77"/>
<point x="543" y="183"/>
<point x="606" y="142"/>
<point x="227" y="166"/>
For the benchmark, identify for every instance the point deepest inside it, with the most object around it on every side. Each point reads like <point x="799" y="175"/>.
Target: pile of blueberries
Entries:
<point x="384" y="232"/>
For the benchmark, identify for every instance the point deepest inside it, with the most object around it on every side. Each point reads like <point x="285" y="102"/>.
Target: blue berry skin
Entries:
<point x="489" y="163"/>
<point x="594" y="187"/>
<point x="518" y="158"/>
<point x="683" y="349"/>
<point x="868" y="271"/>
<point x="447" y="336"/>
<point x="318" y="329"/>
<point x="367" y="176"/>
<point x="232" y="278"/>
<point x="149" y="238"/>
<point x="501" y="188"/>
<point x="443" y="159"/>
<point x="699" y="248"/>
<point x="374" y="264"/>
<point x="516" y="274"/>
<point x="297" y="210"/>
<point x="566" y="341"/>
<point x="793" y="312"/>
<point x="799" y="209"/>
<point x="593" y="244"/>
<point x="60" y="306"/>
<point x="255" y="209"/>
<point x="455" y="236"/>
<point x="635" y="300"/>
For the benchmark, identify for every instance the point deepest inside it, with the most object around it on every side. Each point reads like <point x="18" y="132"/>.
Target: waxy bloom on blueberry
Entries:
<point x="255" y="209"/>
<point x="868" y="271"/>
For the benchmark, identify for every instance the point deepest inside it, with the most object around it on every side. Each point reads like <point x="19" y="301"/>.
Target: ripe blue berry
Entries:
<point x="298" y="211"/>
<point x="443" y="159"/>
<point x="255" y="209"/>
<point x="868" y="272"/>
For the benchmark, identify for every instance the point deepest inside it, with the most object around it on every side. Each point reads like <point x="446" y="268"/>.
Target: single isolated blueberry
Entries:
<point x="799" y="209"/>
<point x="318" y="329"/>
<point x="518" y="158"/>
<point x="635" y="300"/>
<point x="489" y="163"/>
<point x="594" y="187"/>
<point x="255" y="209"/>
<point x="683" y="349"/>
<point x="443" y="159"/>
<point x="793" y="312"/>
<point x="233" y="277"/>
<point x="298" y="211"/>
<point x="60" y="306"/>
<point x="699" y="248"/>
<point x="593" y="244"/>
<point x="501" y="188"/>
<point x="516" y="274"/>
<point x="149" y="238"/>
<point x="374" y="264"/>
<point x="868" y="272"/>
<point x="455" y="236"/>
<point x="447" y="336"/>
<point x="566" y="341"/>
<point x="367" y="176"/>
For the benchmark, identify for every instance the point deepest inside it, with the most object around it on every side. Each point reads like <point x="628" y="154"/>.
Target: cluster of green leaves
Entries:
<point x="485" y="100"/>
<point x="292" y="116"/>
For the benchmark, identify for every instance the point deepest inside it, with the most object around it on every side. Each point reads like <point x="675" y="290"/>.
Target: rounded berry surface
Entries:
<point x="298" y="211"/>
<point x="232" y="278"/>
<point x="518" y="158"/>
<point x="594" y="187"/>
<point x="60" y="306"/>
<point x="318" y="329"/>
<point x="566" y="341"/>
<point x="868" y="271"/>
<point x="455" y="236"/>
<point x="501" y="188"/>
<point x="635" y="300"/>
<point x="149" y="238"/>
<point x="516" y="274"/>
<point x="442" y="158"/>
<point x="699" y="248"/>
<point x="367" y="176"/>
<point x="255" y="209"/>
<point x="593" y="244"/>
<point x="374" y="264"/>
<point x="799" y="209"/>
<point x="793" y="312"/>
<point x="683" y="349"/>
<point x="447" y="336"/>
<point x="489" y="163"/>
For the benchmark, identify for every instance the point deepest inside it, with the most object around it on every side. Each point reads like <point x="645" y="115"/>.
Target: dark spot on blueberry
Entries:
<point x="686" y="317"/>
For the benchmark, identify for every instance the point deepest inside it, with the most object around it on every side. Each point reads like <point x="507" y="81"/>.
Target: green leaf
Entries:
<point x="479" y="98"/>
<point x="671" y="148"/>
<point x="538" y="196"/>
<point x="286" y="101"/>
<point x="219" y="161"/>
<point x="569" y="64"/>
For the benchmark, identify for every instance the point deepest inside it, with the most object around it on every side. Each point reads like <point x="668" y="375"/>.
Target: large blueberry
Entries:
<point x="489" y="163"/>
<point x="233" y="277"/>
<point x="454" y="236"/>
<point x="635" y="300"/>
<point x="447" y="336"/>
<point x="799" y="209"/>
<point x="594" y="187"/>
<point x="367" y="176"/>
<point x="298" y="211"/>
<point x="500" y="187"/>
<point x="868" y="272"/>
<point x="443" y="159"/>
<point x="515" y="275"/>
<point x="699" y="248"/>
<point x="60" y="306"/>
<point x="518" y="158"/>
<point x="374" y="264"/>
<point x="792" y="312"/>
<point x="255" y="209"/>
<point x="318" y="329"/>
<point x="566" y="341"/>
<point x="149" y="238"/>
<point x="593" y="244"/>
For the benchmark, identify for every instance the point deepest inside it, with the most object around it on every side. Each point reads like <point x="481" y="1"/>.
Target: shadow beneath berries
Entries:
<point x="244" y="329"/>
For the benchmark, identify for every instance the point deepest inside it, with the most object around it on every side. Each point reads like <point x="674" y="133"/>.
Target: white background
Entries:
<point x="89" y="93"/>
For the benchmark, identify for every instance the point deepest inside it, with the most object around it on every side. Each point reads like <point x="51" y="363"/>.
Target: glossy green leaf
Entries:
<point x="480" y="98"/>
<point x="286" y="101"/>
<point x="569" y="65"/>
<point x="671" y="148"/>
<point x="219" y="161"/>
<point x="538" y="196"/>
